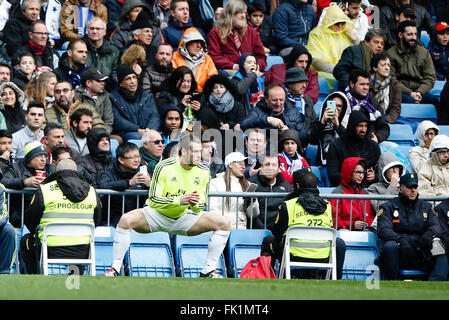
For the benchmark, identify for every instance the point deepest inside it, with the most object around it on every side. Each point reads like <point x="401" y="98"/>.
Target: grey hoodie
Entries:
<point x="420" y="154"/>
<point x="386" y="161"/>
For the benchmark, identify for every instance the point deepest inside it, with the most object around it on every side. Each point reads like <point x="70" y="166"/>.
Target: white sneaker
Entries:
<point x="111" y="272"/>
<point x="212" y="274"/>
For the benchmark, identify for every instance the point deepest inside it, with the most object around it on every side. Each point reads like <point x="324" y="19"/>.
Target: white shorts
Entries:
<point x="160" y="222"/>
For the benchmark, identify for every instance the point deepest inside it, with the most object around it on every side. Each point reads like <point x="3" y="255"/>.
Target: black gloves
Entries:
<point x="426" y="240"/>
<point x="406" y="247"/>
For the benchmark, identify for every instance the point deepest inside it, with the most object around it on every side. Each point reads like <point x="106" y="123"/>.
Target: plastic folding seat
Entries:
<point x="361" y="252"/>
<point x="402" y="134"/>
<point x="191" y="253"/>
<point x="114" y="144"/>
<point x="417" y="113"/>
<point x="243" y="246"/>
<point x="104" y="240"/>
<point x="308" y="237"/>
<point x="150" y="255"/>
<point x="272" y="60"/>
<point x="137" y="142"/>
<point x="311" y="154"/>
<point x="317" y="172"/>
<point x="437" y="88"/>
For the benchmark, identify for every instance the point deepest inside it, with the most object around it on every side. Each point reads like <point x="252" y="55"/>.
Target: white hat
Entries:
<point x="440" y="141"/>
<point x="234" y="157"/>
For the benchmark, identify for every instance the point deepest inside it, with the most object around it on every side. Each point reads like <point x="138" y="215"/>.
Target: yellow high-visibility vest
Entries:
<point x="297" y="216"/>
<point x="59" y="209"/>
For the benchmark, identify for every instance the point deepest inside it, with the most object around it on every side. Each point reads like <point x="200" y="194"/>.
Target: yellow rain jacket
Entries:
<point x="326" y="45"/>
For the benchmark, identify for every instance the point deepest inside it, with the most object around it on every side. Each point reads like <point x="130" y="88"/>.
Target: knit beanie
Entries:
<point x="124" y="70"/>
<point x="33" y="149"/>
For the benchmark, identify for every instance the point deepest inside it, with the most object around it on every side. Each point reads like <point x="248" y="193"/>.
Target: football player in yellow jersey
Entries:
<point x="176" y="200"/>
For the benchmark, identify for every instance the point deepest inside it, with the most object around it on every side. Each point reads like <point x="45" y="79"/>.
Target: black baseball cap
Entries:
<point x="92" y="74"/>
<point x="409" y="180"/>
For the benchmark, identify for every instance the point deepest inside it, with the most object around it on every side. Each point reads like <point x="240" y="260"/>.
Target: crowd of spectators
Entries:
<point x="143" y="72"/>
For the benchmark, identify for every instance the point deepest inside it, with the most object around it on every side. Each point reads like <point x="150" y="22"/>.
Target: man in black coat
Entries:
<point x="269" y="179"/>
<point x="408" y="226"/>
<point x="123" y="175"/>
<point x="354" y="143"/>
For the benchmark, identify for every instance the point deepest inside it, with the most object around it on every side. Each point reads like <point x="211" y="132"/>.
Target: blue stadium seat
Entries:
<point x="317" y="106"/>
<point x="324" y="87"/>
<point x="412" y="274"/>
<point x="191" y="253"/>
<point x="317" y="172"/>
<point x="243" y="246"/>
<point x="361" y="251"/>
<point x="326" y="190"/>
<point x="417" y="113"/>
<point x="311" y="154"/>
<point x="150" y="255"/>
<point x="324" y="176"/>
<point x="402" y="134"/>
<point x="272" y="60"/>
<point x="114" y="145"/>
<point x="16" y="265"/>
<point x="437" y="88"/>
<point x="104" y="239"/>
<point x="444" y="129"/>
<point x="137" y="142"/>
<point x="424" y="38"/>
<point x="335" y="85"/>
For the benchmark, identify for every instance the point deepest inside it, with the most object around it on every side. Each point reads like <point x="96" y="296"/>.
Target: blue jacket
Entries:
<point x="440" y="58"/>
<point x="257" y="118"/>
<point x="292" y="22"/>
<point x="130" y="116"/>
<point x="174" y="32"/>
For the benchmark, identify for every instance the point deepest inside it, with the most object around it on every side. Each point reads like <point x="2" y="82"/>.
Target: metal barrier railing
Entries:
<point x="223" y="195"/>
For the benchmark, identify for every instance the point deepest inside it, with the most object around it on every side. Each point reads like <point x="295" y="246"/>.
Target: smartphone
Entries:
<point x="257" y="166"/>
<point x="252" y="187"/>
<point x="195" y="96"/>
<point x="143" y="169"/>
<point x="331" y="104"/>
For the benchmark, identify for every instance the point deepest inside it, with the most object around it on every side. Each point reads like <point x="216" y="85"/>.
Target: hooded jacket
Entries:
<point x="14" y="117"/>
<point x="433" y="178"/>
<point x="72" y="185"/>
<point x="387" y="160"/>
<point x="325" y="45"/>
<point x="323" y="134"/>
<point x="277" y="72"/>
<point x="96" y="161"/>
<point x="288" y="165"/>
<point x="236" y="114"/>
<point x="202" y="68"/>
<point x="359" y="207"/>
<point x="421" y="154"/>
<point x="350" y="145"/>
<point x="165" y="132"/>
<point x="292" y="22"/>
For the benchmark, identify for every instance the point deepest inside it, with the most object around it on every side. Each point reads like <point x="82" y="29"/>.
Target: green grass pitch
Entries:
<point x="30" y="287"/>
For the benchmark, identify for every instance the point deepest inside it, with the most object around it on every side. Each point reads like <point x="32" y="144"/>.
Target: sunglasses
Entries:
<point x="157" y="142"/>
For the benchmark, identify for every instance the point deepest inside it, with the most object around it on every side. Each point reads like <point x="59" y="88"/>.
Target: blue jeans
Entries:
<point x="426" y="99"/>
<point x="7" y="247"/>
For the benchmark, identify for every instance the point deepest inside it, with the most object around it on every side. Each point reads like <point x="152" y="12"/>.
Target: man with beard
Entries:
<point x="73" y="63"/>
<point x="64" y="106"/>
<point x="412" y="65"/>
<point x="99" y="158"/>
<point x="134" y="110"/>
<point x="80" y="125"/>
<point x="228" y="42"/>
<point x="92" y="91"/>
<point x="359" y="98"/>
<point x="355" y="142"/>
<point x="154" y="75"/>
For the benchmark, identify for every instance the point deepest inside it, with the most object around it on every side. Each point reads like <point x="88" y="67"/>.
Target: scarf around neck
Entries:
<point x="39" y="50"/>
<point x="222" y="104"/>
<point x="358" y="104"/>
<point x="381" y="91"/>
<point x="298" y="102"/>
<point x="293" y="164"/>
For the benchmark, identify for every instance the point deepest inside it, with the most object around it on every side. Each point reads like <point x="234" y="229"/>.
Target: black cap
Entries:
<point x="298" y="173"/>
<point x="409" y="180"/>
<point x="92" y="74"/>
<point x="407" y="10"/>
<point x="123" y="70"/>
<point x="142" y="21"/>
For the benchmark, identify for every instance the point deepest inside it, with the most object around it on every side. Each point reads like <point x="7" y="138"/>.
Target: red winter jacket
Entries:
<point x="285" y="170"/>
<point x="225" y="55"/>
<point x="344" y="205"/>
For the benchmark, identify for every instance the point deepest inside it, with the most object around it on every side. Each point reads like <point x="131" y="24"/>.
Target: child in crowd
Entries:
<point x="439" y="50"/>
<point x="262" y="24"/>
<point x="290" y="157"/>
<point x="22" y="72"/>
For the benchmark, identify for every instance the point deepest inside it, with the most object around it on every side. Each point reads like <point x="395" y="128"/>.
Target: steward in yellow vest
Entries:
<point x="303" y="207"/>
<point x="66" y="197"/>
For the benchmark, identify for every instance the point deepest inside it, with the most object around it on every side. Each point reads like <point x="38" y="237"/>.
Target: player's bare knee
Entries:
<point x="126" y="221"/>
